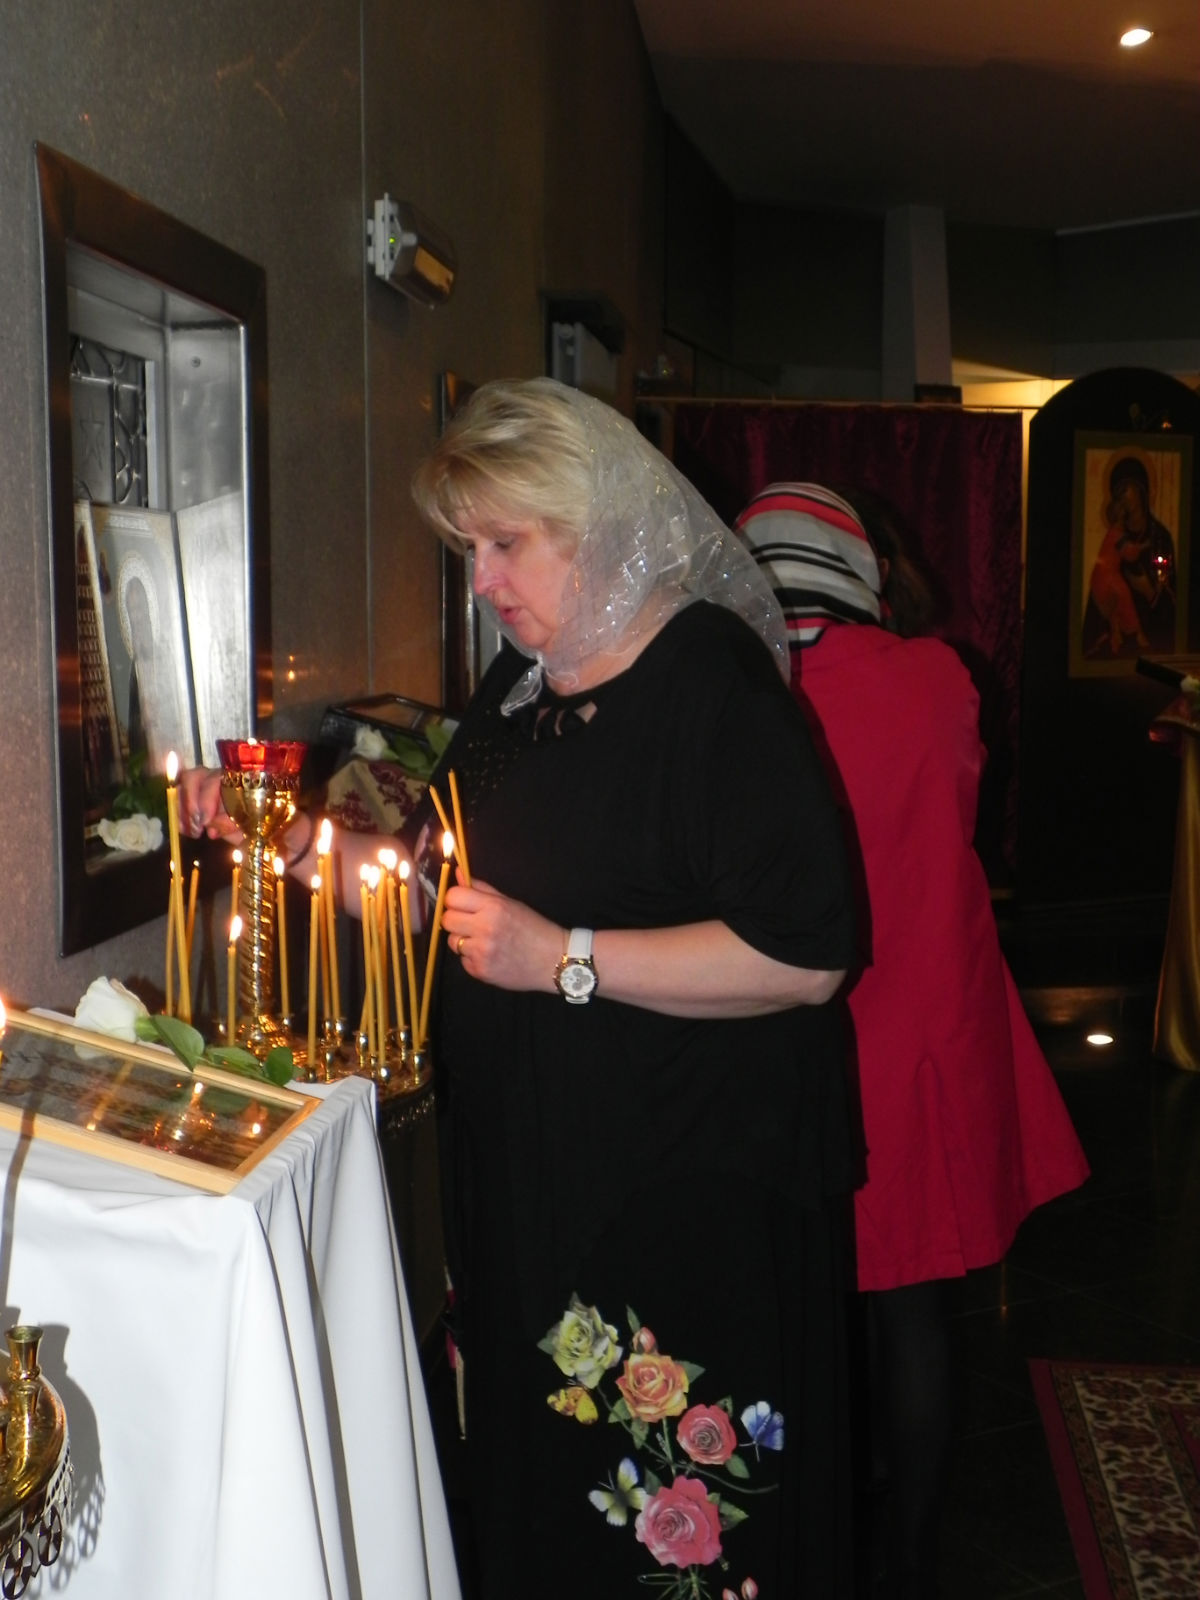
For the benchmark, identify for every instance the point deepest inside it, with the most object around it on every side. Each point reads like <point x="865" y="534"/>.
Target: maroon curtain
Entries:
<point x="953" y="477"/>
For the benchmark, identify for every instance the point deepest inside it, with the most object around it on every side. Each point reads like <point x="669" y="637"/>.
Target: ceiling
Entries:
<point x="1026" y="115"/>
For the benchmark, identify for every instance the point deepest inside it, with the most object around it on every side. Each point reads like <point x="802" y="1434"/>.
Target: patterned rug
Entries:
<point x="1125" y="1443"/>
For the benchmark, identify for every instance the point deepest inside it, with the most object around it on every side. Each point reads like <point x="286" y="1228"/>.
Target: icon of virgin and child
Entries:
<point x="1131" y="599"/>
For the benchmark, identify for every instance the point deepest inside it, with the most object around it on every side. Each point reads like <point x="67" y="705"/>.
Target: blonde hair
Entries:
<point x="516" y="450"/>
<point x="641" y="542"/>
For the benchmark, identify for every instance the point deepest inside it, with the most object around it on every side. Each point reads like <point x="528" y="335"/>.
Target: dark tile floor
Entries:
<point x="1111" y="1272"/>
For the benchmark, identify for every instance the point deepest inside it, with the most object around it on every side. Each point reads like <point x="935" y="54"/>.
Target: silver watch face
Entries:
<point x="576" y="978"/>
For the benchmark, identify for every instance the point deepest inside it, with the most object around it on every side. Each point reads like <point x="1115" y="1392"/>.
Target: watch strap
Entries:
<point x="579" y="944"/>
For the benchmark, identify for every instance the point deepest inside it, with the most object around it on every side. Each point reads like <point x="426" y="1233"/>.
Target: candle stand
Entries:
<point x="260" y="781"/>
<point x="400" y="1070"/>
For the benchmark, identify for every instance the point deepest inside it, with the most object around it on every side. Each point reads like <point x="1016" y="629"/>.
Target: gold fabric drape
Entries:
<point x="1177" y="1019"/>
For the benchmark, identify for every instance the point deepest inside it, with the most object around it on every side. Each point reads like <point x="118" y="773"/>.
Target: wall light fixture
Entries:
<point x="410" y="253"/>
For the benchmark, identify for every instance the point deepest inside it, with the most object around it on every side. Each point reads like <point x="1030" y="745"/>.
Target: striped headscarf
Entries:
<point x="815" y="552"/>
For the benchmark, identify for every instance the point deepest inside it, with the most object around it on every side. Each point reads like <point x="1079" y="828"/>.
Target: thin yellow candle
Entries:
<point x="388" y="860"/>
<point x="409" y="956"/>
<point x="368" y="961"/>
<point x="285" y="993"/>
<point x="335" y="978"/>
<point x="314" y="927"/>
<point x="324" y="945"/>
<point x="379" y="951"/>
<point x="181" y="961"/>
<point x="324" y="843"/>
<point x="169" y="982"/>
<point x="440" y="809"/>
<point x="236" y="882"/>
<point x="185" y="986"/>
<point x="460" y="836"/>
<point x="193" y="892"/>
<point x="235" y="933"/>
<point x="434" y="933"/>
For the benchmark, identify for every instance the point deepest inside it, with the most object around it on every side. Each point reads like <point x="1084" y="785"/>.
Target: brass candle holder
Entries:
<point x="37" y="1481"/>
<point x="260" y="781"/>
<point x="397" y="1071"/>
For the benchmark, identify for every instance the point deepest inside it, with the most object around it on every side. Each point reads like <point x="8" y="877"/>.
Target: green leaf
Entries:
<point x="653" y="1482"/>
<point x="640" y="1431"/>
<point x="145" y="793"/>
<point x="730" y="1515"/>
<point x="692" y="1370"/>
<point x="179" y="1036"/>
<point x="634" y="1320"/>
<point x="413" y="755"/>
<point x="232" y="1058"/>
<point x="737" y="1468"/>
<point x="619" y="1412"/>
<point x="232" y="1055"/>
<point x="280" y="1065"/>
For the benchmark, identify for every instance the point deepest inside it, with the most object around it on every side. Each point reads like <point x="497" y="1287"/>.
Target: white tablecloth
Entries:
<point x="240" y="1373"/>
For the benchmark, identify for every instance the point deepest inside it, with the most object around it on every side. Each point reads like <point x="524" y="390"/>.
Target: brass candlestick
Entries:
<point x="259" y="784"/>
<point x="37" y="1482"/>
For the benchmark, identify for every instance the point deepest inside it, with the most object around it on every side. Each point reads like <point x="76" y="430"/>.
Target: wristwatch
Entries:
<point x="575" y="976"/>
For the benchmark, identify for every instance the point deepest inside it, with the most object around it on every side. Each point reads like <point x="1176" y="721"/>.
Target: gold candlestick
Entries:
<point x="259" y="784"/>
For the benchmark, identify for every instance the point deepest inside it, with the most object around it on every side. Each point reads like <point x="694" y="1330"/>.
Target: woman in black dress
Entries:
<point x="641" y="1087"/>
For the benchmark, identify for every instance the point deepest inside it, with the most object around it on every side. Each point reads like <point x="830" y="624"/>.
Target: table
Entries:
<point x="240" y="1372"/>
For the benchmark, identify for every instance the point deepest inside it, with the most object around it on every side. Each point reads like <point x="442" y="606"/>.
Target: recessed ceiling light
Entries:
<point x="1099" y="1039"/>
<point x="1132" y="37"/>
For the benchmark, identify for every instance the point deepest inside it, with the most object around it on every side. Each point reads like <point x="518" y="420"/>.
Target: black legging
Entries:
<point x="908" y="1344"/>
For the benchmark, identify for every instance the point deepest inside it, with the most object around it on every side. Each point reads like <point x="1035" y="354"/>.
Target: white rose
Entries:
<point x="138" y="833"/>
<point x="370" y="744"/>
<point x="109" y="1007"/>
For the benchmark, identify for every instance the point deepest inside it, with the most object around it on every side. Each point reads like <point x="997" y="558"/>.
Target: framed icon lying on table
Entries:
<point x="137" y="1105"/>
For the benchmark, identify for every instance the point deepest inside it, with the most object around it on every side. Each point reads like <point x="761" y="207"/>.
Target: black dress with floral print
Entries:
<point x="603" y="1163"/>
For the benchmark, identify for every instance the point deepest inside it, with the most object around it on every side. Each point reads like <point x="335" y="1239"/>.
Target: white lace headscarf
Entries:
<point x="647" y="543"/>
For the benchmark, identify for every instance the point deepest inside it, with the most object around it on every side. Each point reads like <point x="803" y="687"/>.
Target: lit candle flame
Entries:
<point x="280" y="869"/>
<point x="235" y="930"/>
<point x="372" y="878"/>
<point x="403" y="870"/>
<point x="388" y="860"/>
<point x="325" y="837"/>
<point x="237" y="858"/>
<point x="447" y="844"/>
<point x="172" y="767"/>
<point x="316" y="883"/>
<point x="3" y="1017"/>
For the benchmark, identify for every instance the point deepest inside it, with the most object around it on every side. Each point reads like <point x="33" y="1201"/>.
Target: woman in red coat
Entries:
<point x="964" y="1129"/>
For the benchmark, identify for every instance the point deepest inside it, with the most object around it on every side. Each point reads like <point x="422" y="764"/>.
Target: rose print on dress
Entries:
<point x="689" y="1457"/>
